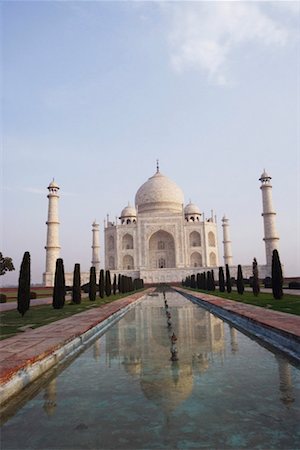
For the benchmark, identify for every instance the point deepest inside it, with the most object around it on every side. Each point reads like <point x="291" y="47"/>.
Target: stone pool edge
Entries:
<point x="24" y="376"/>
<point x="283" y="340"/>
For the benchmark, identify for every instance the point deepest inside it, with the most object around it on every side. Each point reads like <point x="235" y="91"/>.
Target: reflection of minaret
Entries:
<point x="233" y="340"/>
<point x="52" y="245"/>
<point x="50" y="398"/>
<point x="271" y="237"/>
<point x="226" y="242"/>
<point x="285" y="380"/>
<point x="95" y="247"/>
<point x="96" y="349"/>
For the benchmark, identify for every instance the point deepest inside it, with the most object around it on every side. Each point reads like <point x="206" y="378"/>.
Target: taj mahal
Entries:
<point x="161" y="239"/>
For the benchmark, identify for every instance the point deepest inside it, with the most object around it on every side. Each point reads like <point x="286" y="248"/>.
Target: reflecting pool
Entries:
<point x="124" y="392"/>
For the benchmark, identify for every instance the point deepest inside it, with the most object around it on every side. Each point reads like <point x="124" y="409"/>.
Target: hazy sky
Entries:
<point x="94" y="92"/>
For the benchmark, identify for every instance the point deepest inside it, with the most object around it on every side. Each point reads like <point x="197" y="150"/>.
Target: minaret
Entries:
<point x="95" y="247"/>
<point x="52" y="245"/>
<point x="226" y="242"/>
<point x="271" y="238"/>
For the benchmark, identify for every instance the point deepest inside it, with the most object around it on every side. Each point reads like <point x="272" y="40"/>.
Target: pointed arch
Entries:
<point x="127" y="242"/>
<point x="128" y="262"/>
<point x="212" y="259"/>
<point x="196" y="259"/>
<point x="211" y="239"/>
<point x="195" y="239"/>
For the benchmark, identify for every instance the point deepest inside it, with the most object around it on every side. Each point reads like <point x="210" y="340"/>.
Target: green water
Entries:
<point x="224" y="392"/>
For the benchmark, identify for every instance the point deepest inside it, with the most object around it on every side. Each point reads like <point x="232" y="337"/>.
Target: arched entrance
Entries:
<point x="161" y="250"/>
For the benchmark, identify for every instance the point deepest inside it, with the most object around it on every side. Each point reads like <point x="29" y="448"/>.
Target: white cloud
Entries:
<point x="204" y="35"/>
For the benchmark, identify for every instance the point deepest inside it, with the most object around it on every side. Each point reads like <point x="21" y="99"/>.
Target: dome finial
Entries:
<point x="157" y="165"/>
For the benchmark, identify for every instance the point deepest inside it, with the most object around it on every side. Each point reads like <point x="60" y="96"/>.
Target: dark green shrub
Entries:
<point x="101" y="283"/>
<point x="33" y="295"/>
<point x="92" y="284"/>
<point x="107" y="283"/>
<point x="277" y="278"/>
<point x="115" y="284"/>
<point x="255" y="279"/>
<point x="221" y="280"/>
<point x="228" y="280"/>
<point x="240" y="281"/>
<point x="59" y="290"/>
<point x="193" y="281"/>
<point x="24" y="285"/>
<point x="294" y="285"/>
<point x="76" y="290"/>
<point x="268" y="282"/>
<point x="3" y="298"/>
<point x="119" y="283"/>
<point x="213" y="284"/>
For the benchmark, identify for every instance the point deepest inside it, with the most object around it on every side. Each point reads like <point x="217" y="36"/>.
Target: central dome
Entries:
<point x="159" y="193"/>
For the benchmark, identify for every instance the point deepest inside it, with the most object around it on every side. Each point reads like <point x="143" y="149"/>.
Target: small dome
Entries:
<point x="159" y="193"/>
<point x="128" y="211"/>
<point x="264" y="175"/>
<point x="53" y="185"/>
<point x="191" y="208"/>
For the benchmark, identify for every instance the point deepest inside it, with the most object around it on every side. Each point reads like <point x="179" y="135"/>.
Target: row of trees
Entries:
<point x="205" y="280"/>
<point x="122" y="284"/>
<point x="106" y="287"/>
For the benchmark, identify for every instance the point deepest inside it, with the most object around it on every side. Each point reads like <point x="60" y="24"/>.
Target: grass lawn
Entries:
<point x="11" y="322"/>
<point x="289" y="303"/>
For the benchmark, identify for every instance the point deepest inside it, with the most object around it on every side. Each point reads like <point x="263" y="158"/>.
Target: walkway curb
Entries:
<point x="253" y="321"/>
<point x="15" y="379"/>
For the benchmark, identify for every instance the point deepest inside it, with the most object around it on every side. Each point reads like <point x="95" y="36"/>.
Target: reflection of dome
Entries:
<point x="168" y="390"/>
<point x="159" y="193"/>
<point x="134" y="368"/>
<point x="128" y="211"/>
<point x="191" y="208"/>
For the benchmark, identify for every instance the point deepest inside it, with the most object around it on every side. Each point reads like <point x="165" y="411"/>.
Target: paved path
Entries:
<point x="33" y="302"/>
<point x="24" y="349"/>
<point x="289" y="323"/>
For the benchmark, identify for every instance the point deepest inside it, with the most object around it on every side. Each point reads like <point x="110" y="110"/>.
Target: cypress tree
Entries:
<point x="193" y="281"/>
<point x="122" y="284"/>
<point x="115" y="284"/>
<point x="198" y="280"/>
<point x="213" y="284"/>
<point x="208" y="280"/>
<point x="130" y="284"/>
<point x="119" y="283"/>
<point x="240" y="280"/>
<point x="76" y="289"/>
<point x="107" y="283"/>
<point x="92" y="284"/>
<point x="228" y="279"/>
<point x="221" y="280"/>
<point x="255" y="285"/>
<point x="59" y="290"/>
<point x="101" y="283"/>
<point x="277" y="278"/>
<point x="24" y="285"/>
<point x="204" y="282"/>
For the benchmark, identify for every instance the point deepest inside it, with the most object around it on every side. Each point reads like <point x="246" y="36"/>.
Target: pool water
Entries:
<point x="225" y="391"/>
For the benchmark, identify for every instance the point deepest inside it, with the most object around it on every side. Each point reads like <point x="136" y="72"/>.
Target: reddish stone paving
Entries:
<point x="289" y="323"/>
<point x="24" y="349"/>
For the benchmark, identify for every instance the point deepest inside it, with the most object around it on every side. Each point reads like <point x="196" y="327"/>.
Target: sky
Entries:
<point x="94" y="92"/>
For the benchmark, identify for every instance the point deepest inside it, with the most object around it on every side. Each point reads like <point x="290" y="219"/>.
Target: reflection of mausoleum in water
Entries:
<point x="141" y="342"/>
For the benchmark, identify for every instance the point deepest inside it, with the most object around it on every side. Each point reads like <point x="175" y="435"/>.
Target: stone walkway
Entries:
<point x="289" y="323"/>
<point x="24" y="349"/>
